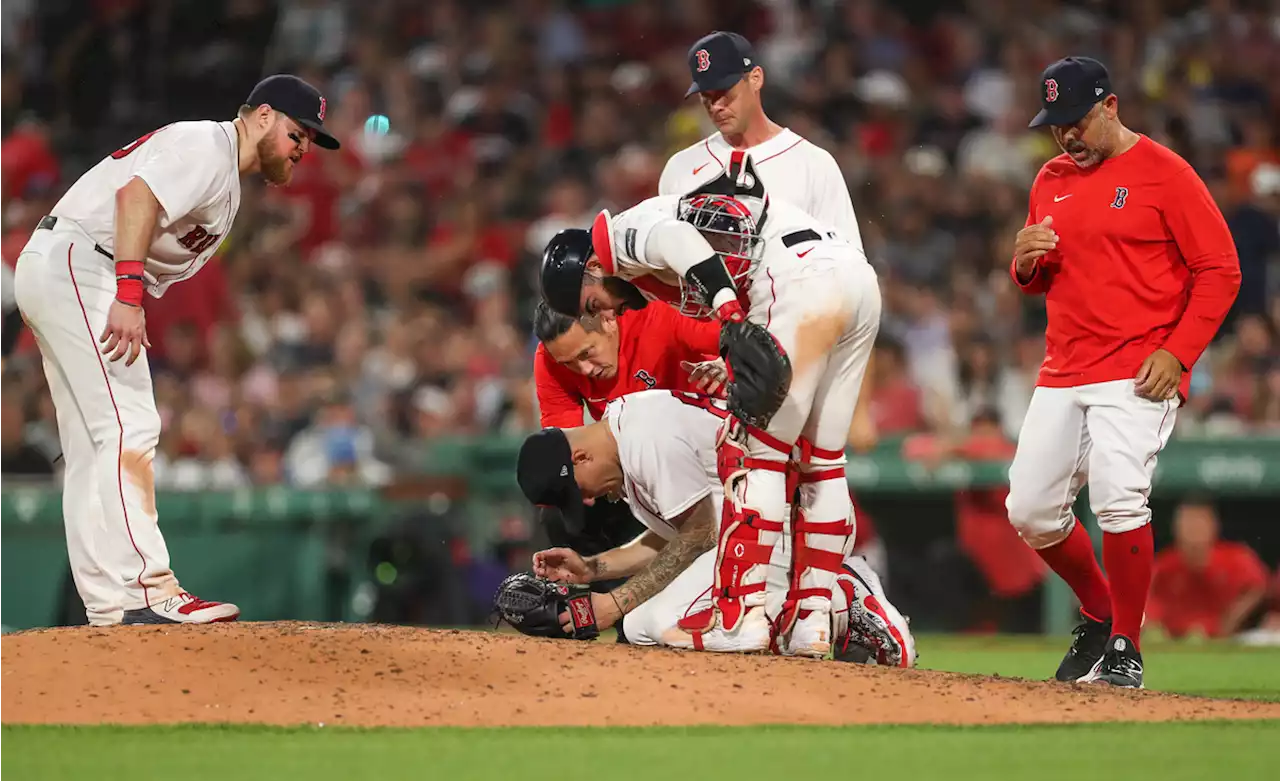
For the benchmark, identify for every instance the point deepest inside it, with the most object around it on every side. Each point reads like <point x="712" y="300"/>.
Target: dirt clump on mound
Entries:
<point x="371" y="675"/>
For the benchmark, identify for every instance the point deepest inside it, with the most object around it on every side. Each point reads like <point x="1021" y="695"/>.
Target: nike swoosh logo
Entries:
<point x="806" y="252"/>
<point x="1058" y="198"/>
<point x="699" y="168"/>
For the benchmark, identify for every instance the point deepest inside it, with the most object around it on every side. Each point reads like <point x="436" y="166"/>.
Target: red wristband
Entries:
<point x="129" y="282"/>
<point x="731" y="312"/>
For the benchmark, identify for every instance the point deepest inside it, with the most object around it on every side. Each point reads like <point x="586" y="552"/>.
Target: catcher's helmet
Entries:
<point x="563" y="263"/>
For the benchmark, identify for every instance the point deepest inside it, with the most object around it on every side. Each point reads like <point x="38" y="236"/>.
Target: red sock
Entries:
<point x="1129" y="557"/>
<point x="1075" y="563"/>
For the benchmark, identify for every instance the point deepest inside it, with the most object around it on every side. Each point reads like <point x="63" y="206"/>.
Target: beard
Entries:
<point x="275" y="166"/>
<point x="629" y="294"/>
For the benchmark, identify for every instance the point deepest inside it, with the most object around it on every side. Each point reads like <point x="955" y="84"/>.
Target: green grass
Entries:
<point x="1206" y="669"/>
<point x="1240" y="751"/>
<point x="1130" y="751"/>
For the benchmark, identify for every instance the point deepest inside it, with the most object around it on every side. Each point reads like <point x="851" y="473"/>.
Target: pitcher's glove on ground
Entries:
<point x="533" y="606"/>
<point x="759" y="372"/>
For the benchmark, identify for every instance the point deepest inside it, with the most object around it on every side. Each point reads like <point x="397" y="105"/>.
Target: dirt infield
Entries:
<point x="296" y="673"/>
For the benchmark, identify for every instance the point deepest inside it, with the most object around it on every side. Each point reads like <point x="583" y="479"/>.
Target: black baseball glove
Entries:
<point x="533" y="606"/>
<point x="760" y="372"/>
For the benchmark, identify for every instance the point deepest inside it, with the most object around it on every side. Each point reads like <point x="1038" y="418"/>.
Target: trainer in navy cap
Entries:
<point x="1069" y="88"/>
<point x="298" y="100"/>
<point x="544" y="470"/>
<point x="717" y="61"/>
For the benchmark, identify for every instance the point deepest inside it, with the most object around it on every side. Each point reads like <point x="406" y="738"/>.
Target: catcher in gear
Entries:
<point x="772" y="271"/>
<point x="658" y="450"/>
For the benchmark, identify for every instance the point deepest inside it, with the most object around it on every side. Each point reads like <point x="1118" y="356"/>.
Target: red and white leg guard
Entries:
<point x="751" y="527"/>
<point x="821" y="537"/>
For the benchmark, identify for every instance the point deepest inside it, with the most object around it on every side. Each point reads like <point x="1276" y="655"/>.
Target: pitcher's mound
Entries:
<point x="297" y="673"/>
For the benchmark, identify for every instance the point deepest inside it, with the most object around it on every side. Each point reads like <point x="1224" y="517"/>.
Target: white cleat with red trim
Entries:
<point x="867" y="621"/>
<point x="183" y="609"/>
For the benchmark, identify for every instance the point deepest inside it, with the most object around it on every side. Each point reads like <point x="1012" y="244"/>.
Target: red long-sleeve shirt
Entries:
<point x="1144" y="261"/>
<point x="651" y="344"/>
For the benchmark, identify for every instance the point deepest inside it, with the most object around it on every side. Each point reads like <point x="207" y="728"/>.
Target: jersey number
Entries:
<point x="198" y="240"/>
<point x="127" y="149"/>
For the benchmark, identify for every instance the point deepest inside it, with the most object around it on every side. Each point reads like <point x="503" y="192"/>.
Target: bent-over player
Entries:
<point x="147" y="216"/>
<point x="1139" y="270"/>
<point x="727" y="77"/>
<point x="586" y="363"/>
<point x="800" y="309"/>
<point x="658" y="449"/>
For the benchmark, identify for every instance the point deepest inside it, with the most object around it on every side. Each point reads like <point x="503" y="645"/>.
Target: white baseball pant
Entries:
<point x="107" y="423"/>
<point x="1103" y="433"/>
<point x="823" y="306"/>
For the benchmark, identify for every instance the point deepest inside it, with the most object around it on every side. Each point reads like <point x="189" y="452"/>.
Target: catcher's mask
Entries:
<point x="564" y="261"/>
<point x="732" y="231"/>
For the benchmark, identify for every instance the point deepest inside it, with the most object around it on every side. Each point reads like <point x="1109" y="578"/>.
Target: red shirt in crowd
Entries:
<point x="1144" y="261"/>
<point x="651" y="344"/>
<point x="1184" y="599"/>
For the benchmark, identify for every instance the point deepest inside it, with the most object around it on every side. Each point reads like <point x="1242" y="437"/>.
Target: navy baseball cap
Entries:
<point x="1069" y="88"/>
<point x="299" y="100"/>
<point x="544" y="471"/>
<point x="717" y="61"/>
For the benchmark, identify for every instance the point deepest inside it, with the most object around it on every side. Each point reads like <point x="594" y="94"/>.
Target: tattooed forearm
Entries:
<point x="598" y="567"/>
<point x="697" y="536"/>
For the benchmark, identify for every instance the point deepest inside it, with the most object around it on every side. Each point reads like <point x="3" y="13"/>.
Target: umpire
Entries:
<point x="588" y="363"/>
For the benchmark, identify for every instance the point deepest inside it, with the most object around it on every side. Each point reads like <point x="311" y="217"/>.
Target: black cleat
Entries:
<point x="1086" y="650"/>
<point x="1121" y="664"/>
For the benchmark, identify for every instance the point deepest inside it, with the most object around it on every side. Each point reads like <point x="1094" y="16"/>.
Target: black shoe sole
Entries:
<point x="1119" y="681"/>
<point x="145" y="616"/>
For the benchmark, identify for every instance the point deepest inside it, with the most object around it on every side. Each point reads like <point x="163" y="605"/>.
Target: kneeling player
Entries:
<point x="800" y="308"/>
<point x="658" y="449"/>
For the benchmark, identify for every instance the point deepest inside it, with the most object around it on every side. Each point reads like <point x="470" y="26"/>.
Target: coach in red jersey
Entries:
<point x="1138" y="270"/>
<point x="594" y="361"/>
<point x="588" y="363"/>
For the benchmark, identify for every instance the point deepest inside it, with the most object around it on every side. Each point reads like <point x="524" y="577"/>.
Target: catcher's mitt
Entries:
<point x="533" y="606"/>
<point x="759" y="372"/>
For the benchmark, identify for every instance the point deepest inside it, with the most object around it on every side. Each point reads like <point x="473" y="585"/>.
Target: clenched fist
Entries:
<point x="1032" y="243"/>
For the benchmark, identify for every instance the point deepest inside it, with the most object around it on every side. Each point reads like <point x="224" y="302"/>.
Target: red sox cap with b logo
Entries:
<point x="296" y="99"/>
<point x="717" y="61"/>
<point x="1069" y="88"/>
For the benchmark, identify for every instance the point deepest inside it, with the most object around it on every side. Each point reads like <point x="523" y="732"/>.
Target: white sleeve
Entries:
<point x="668" y="183"/>
<point x="648" y="237"/>
<point x="183" y="173"/>
<point x="670" y="476"/>
<point x="829" y="200"/>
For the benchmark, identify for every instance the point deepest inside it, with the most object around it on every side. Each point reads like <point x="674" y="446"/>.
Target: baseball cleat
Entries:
<point x="1121" y="665"/>
<point x="183" y="609"/>
<point x="875" y="630"/>
<point x="1085" y="654"/>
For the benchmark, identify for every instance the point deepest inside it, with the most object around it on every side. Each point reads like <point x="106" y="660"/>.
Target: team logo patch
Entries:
<point x="580" y="608"/>
<point x="1050" y="90"/>
<point x="320" y="114"/>
<point x="646" y="378"/>
<point x="1122" y="194"/>
<point x="704" y="60"/>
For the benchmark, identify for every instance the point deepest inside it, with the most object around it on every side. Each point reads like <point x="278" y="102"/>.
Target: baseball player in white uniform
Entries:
<point x="658" y="449"/>
<point x="728" y="79"/>
<point x="148" y="215"/>
<point x="730" y="250"/>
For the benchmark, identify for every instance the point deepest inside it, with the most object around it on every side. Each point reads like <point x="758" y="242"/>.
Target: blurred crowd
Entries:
<point x="383" y="301"/>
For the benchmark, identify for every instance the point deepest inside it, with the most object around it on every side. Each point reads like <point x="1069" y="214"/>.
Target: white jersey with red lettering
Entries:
<point x="792" y="168"/>
<point x="193" y="169"/>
